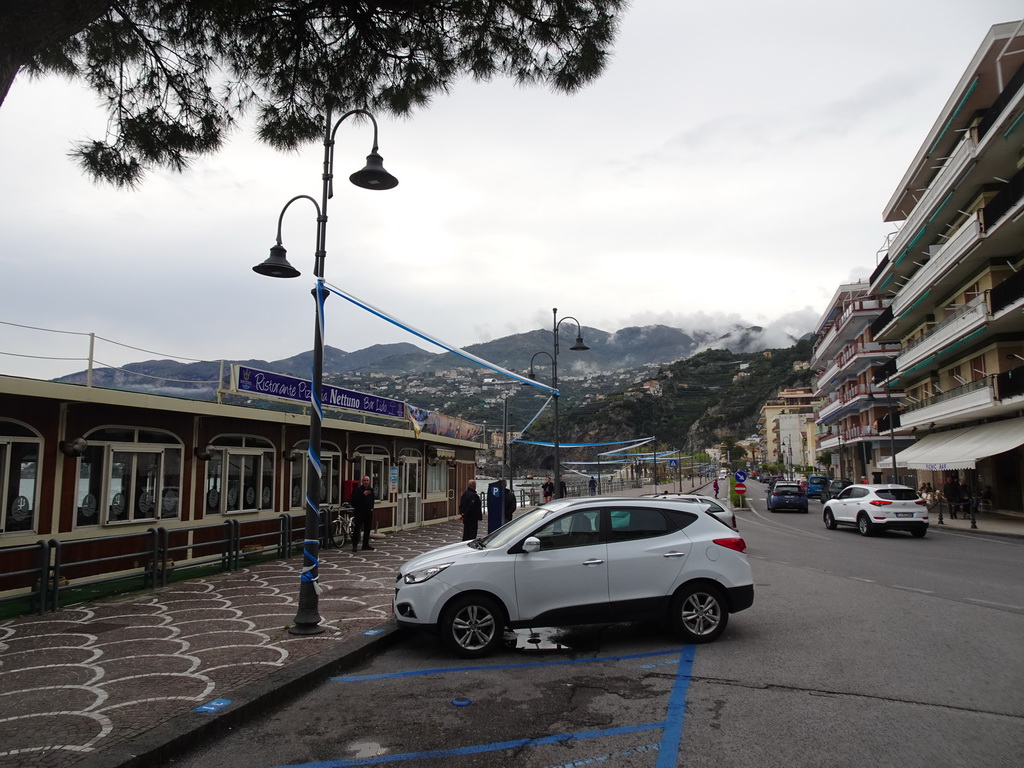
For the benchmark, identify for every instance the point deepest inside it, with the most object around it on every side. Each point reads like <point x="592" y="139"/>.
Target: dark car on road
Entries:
<point x="833" y="489"/>
<point x="816" y="484"/>
<point x="787" y="494"/>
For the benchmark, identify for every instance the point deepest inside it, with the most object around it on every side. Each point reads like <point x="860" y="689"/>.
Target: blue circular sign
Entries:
<point x="740" y="476"/>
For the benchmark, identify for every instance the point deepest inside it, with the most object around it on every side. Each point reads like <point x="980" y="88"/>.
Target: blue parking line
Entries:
<point x="672" y="737"/>
<point x="671" y="727"/>
<point x="445" y="670"/>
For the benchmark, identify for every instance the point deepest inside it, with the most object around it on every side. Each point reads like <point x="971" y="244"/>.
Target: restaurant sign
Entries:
<point x="245" y="379"/>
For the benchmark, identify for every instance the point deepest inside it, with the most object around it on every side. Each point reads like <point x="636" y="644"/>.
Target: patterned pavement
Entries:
<point x="104" y="684"/>
<point x="92" y="684"/>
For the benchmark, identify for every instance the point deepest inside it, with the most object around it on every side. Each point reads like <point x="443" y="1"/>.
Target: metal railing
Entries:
<point x="46" y="570"/>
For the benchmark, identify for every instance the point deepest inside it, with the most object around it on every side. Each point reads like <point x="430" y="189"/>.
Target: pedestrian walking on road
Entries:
<point x="714" y="487"/>
<point x="547" y="489"/>
<point x="470" y="511"/>
<point x="363" y="499"/>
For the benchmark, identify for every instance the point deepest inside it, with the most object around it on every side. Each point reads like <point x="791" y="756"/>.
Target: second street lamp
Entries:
<point x="579" y="346"/>
<point x="373" y="176"/>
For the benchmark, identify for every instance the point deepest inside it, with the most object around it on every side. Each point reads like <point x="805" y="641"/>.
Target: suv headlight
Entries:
<point x="418" y="577"/>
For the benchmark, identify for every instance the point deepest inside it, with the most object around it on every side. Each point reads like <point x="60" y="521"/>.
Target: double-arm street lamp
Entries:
<point x="579" y="346"/>
<point x="373" y="176"/>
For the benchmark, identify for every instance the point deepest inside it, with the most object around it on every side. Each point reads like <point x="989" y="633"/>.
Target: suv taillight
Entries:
<point x="733" y="543"/>
<point x="879" y="503"/>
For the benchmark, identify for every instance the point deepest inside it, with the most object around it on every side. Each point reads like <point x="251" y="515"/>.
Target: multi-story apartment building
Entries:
<point x="952" y="282"/>
<point x="786" y="424"/>
<point x="853" y="418"/>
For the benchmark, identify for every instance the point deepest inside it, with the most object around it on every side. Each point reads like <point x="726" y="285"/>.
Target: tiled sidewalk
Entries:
<point x="110" y="683"/>
<point x="101" y="684"/>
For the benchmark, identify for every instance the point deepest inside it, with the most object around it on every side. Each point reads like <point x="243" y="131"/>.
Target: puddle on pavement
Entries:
<point x="548" y="639"/>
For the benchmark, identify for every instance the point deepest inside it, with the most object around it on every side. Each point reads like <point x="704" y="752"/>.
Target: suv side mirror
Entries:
<point x="532" y="544"/>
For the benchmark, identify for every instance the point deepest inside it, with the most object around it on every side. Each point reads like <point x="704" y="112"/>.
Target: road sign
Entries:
<point x="673" y="463"/>
<point x="740" y="488"/>
<point x="740" y="476"/>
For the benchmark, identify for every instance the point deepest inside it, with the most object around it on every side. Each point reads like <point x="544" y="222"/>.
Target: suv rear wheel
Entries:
<point x="698" y="613"/>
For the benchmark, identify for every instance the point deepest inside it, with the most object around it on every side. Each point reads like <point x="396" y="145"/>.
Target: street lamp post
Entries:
<point x="372" y="176"/>
<point x="579" y="346"/>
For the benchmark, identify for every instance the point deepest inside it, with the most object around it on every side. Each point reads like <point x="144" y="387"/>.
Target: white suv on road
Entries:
<point x="581" y="561"/>
<point x="873" y="508"/>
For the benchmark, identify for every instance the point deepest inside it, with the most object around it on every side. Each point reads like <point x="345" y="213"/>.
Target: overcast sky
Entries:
<point x="730" y="166"/>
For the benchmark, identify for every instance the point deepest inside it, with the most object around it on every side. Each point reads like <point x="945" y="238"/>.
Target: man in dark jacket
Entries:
<point x="362" y="502"/>
<point x="471" y="511"/>
<point x="508" y="501"/>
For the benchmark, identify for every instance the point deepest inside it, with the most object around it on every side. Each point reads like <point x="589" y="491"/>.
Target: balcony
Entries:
<point x="861" y="310"/>
<point x="963" y="322"/>
<point x="943" y="260"/>
<point x="961" y="404"/>
<point x="937" y="190"/>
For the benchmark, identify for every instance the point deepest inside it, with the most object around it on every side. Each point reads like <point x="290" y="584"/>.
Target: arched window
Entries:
<point x="19" y="472"/>
<point x="128" y="475"/>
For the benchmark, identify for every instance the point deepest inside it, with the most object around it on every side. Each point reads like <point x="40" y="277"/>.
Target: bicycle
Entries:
<point x="339" y="530"/>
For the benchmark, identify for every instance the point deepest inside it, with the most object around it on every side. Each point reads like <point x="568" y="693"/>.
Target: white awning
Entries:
<point x="960" y="448"/>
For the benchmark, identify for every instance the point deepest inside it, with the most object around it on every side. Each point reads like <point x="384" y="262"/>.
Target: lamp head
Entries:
<point x="373" y="176"/>
<point x="579" y="346"/>
<point x="277" y="264"/>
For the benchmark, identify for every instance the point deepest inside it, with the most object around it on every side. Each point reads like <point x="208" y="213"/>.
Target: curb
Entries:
<point x="160" y="745"/>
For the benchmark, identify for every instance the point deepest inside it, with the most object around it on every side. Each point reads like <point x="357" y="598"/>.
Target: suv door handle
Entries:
<point x="674" y="554"/>
<point x="593" y="562"/>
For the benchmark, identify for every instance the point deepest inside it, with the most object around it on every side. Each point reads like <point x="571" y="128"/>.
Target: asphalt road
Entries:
<point x="858" y="651"/>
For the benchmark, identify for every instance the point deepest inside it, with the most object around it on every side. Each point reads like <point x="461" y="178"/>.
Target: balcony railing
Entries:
<point x="969" y="307"/>
<point x="1006" y="199"/>
<point x="994" y="112"/>
<point x="950" y="394"/>
<point x="1007" y="292"/>
<point x="1010" y="383"/>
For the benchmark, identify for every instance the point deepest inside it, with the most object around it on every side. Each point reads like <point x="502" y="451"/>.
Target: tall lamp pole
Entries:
<point x="373" y="176"/>
<point x="579" y="346"/>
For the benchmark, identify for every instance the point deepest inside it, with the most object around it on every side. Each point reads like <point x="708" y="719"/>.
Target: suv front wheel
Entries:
<point x="473" y="626"/>
<point x="864" y="525"/>
<point x="830" y="521"/>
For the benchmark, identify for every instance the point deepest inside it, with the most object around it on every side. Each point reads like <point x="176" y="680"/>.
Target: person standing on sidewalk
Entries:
<point x="363" y="499"/>
<point x="508" y="501"/>
<point x="471" y="511"/>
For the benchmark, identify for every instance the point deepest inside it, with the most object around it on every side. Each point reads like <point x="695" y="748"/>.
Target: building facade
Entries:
<point x="87" y="469"/>
<point x="952" y="283"/>
<point x="857" y="421"/>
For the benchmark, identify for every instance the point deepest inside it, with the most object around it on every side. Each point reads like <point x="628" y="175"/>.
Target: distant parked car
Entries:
<point x="874" y="508"/>
<point x="816" y="484"/>
<point x="833" y="488"/>
<point x="787" y="495"/>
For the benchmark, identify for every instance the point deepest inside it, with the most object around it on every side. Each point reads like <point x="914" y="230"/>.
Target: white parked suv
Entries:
<point x="581" y="561"/>
<point x="873" y="508"/>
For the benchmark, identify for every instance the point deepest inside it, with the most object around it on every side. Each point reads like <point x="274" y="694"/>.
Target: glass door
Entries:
<point x="410" y="496"/>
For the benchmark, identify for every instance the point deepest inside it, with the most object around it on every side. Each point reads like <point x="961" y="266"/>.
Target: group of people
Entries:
<point x="959" y="496"/>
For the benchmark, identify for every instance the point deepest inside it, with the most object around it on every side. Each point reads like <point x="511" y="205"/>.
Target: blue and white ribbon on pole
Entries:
<point x="437" y="342"/>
